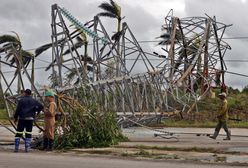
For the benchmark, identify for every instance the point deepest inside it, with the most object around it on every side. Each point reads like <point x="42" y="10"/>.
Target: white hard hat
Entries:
<point x="222" y="94"/>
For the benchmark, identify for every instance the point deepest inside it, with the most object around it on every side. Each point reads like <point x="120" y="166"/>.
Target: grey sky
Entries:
<point x="31" y="20"/>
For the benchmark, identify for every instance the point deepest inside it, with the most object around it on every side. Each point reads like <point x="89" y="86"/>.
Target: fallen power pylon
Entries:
<point x="119" y="75"/>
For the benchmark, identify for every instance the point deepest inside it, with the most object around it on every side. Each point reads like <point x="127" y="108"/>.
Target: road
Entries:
<point x="138" y="137"/>
<point x="55" y="160"/>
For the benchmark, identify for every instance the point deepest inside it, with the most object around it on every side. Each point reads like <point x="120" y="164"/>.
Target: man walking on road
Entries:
<point x="222" y="118"/>
<point x="25" y="114"/>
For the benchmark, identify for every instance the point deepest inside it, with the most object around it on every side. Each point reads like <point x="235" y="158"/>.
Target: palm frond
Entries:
<point x="87" y="59"/>
<point x="164" y="36"/>
<point x="73" y="48"/>
<point x="107" y="7"/>
<point x="27" y="54"/>
<point x="111" y="9"/>
<point x="9" y="39"/>
<point x="117" y="8"/>
<point x="17" y="36"/>
<point x="164" y="42"/>
<point x="116" y="36"/>
<point x="26" y="57"/>
<point x="90" y="68"/>
<point x="107" y="14"/>
<point x="82" y="38"/>
<point x="6" y="47"/>
<point x="8" y="56"/>
<point x="43" y="48"/>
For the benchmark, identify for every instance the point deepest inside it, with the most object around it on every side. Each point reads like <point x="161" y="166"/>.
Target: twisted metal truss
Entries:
<point x="121" y="77"/>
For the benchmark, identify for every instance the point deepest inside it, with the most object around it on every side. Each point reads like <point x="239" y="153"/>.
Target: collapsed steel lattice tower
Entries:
<point x="121" y="77"/>
<point x="137" y="85"/>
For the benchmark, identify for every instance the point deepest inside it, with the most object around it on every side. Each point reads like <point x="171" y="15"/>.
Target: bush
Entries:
<point x="89" y="128"/>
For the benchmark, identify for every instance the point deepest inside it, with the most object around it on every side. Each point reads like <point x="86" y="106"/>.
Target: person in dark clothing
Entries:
<point x="25" y="114"/>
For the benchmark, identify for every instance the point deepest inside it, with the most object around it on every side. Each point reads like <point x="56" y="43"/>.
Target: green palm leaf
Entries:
<point x="9" y="39"/>
<point x="43" y="48"/>
<point x="73" y="48"/>
<point x="26" y="57"/>
<point x="80" y="42"/>
<point x="107" y="14"/>
<point x="111" y="10"/>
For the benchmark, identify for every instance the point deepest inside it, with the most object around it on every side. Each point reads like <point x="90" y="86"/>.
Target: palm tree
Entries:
<point x="81" y="41"/>
<point x="113" y="10"/>
<point x="165" y="37"/>
<point x="11" y="45"/>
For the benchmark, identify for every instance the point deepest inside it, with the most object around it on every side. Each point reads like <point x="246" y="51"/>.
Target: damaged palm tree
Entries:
<point x="17" y="60"/>
<point x="113" y="10"/>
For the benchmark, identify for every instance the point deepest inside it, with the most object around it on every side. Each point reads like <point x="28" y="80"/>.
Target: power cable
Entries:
<point x="234" y="73"/>
<point x="156" y="41"/>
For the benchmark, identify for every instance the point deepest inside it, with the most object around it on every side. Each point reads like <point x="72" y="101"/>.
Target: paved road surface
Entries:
<point x="53" y="160"/>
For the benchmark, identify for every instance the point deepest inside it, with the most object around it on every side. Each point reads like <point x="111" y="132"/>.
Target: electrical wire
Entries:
<point x="156" y="41"/>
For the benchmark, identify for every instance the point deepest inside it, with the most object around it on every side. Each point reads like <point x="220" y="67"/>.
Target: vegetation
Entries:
<point x="12" y="46"/>
<point x="89" y="128"/>
<point x="3" y="114"/>
<point x="113" y="10"/>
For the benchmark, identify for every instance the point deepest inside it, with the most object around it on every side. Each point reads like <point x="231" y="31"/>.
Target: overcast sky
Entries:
<point x="31" y="19"/>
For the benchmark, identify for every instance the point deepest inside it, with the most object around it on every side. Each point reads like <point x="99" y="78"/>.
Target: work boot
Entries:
<point x="214" y="135"/>
<point x="27" y="144"/>
<point x="228" y="136"/>
<point x="17" y="143"/>
<point x="45" y="144"/>
<point x="50" y="144"/>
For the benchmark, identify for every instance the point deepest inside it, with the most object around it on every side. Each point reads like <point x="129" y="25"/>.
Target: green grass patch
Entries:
<point x="3" y="114"/>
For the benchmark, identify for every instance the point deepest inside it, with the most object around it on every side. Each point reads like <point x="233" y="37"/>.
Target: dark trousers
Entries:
<point x="220" y="125"/>
<point x="24" y="124"/>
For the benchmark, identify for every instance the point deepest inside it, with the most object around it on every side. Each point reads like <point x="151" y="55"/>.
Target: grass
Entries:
<point x="4" y="119"/>
<point x="3" y="114"/>
<point x="167" y="123"/>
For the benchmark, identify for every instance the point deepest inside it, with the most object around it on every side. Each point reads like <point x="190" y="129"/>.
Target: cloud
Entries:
<point x="32" y="20"/>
